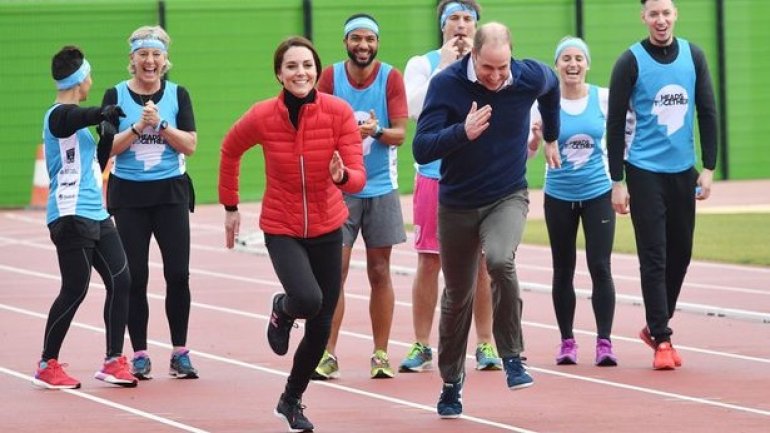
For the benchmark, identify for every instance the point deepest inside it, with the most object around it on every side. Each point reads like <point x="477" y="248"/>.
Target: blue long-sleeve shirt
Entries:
<point x="479" y="172"/>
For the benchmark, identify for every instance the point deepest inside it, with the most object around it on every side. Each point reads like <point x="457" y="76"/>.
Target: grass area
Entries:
<point x="728" y="238"/>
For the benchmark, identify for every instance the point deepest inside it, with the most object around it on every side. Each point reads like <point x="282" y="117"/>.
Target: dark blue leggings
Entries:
<point x="562" y="219"/>
<point x="170" y="224"/>
<point x="310" y="271"/>
<point x="83" y="244"/>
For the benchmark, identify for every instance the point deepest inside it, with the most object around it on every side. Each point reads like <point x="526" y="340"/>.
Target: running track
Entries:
<point x="722" y="332"/>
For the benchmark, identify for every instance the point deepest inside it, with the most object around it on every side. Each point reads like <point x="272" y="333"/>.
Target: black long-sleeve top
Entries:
<point x="624" y="76"/>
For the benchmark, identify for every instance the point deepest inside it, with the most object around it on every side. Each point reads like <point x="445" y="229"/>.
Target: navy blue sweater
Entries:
<point x="479" y="172"/>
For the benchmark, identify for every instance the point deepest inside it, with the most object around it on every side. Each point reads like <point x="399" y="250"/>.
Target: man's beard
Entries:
<point x="360" y="64"/>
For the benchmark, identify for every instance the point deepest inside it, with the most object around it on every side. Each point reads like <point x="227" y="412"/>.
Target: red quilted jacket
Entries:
<point x="300" y="198"/>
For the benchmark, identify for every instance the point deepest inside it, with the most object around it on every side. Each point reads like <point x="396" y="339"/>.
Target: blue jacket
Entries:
<point x="479" y="172"/>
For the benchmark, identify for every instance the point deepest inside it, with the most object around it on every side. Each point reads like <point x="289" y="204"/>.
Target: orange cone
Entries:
<point x="40" y="180"/>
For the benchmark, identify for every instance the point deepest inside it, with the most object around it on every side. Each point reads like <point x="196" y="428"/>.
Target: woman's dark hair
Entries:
<point x="66" y="62"/>
<point x="295" y="41"/>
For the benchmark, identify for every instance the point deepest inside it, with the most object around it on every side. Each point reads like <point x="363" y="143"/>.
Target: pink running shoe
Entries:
<point x="567" y="352"/>
<point x="116" y="372"/>
<point x="51" y="375"/>
<point x="604" y="355"/>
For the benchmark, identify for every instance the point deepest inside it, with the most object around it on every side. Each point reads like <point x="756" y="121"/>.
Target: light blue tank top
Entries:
<point x="75" y="186"/>
<point x="432" y="169"/>
<point x="584" y="172"/>
<point x="663" y="101"/>
<point x="149" y="157"/>
<point x="379" y="158"/>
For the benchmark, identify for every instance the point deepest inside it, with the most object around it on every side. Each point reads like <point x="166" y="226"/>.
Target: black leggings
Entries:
<point x="310" y="271"/>
<point x="80" y="245"/>
<point x="562" y="218"/>
<point x="170" y="224"/>
<point x="663" y="213"/>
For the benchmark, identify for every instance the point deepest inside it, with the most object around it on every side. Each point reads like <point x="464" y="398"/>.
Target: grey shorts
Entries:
<point x="378" y="218"/>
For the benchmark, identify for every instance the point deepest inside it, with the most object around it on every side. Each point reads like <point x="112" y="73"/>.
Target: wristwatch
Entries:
<point x="163" y="125"/>
<point x="378" y="132"/>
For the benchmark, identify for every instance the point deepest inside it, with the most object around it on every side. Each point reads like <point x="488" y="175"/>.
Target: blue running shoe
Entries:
<point x="515" y="373"/>
<point x="419" y="358"/>
<point x="141" y="367"/>
<point x="487" y="358"/>
<point x="181" y="367"/>
<point x="450" y="403"/>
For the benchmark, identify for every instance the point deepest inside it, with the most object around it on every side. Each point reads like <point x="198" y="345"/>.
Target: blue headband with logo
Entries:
<point x="75" y="78"/>
<point x="362" y="23"/>
<point x="155" y="43"/>
<point x="453" y="7"/>
<point x="572" y="43"/>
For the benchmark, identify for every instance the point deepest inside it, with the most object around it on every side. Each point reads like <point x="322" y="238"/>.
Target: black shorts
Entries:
<point x="74" y="232"/>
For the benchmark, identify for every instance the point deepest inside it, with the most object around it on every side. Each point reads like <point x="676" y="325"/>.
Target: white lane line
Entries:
<point x="109" y="403"/>
<point x="703" y="309"/>
<point x="276" y="284"/>
<point x="407" y="403"/>
<point x="242" y="364"/>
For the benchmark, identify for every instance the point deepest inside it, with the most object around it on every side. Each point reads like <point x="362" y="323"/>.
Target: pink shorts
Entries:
<point x="425" y="208"/>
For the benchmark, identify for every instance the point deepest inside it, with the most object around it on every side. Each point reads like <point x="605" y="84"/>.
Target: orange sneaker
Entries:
<point x="116" y="372"/>
<point x="51" y="375"/>
<point x="664" y="359"/>
<point x="645" y="336"/>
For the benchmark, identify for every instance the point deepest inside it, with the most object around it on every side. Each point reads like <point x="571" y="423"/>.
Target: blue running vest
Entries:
<point x="379" y="158"/>
<point x="75" y="186"/>
<point x="663" y="102"/>
<point x="584" y="172"/>
<point x="149" y="157"/>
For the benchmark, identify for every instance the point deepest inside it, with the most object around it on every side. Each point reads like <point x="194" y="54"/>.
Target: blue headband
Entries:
<point x="362" y="23"/>
<point x="572" y="43"/>
<point x="75" y="78"/>
<point x="138" y="44"/>
<point x="453" y="7"/>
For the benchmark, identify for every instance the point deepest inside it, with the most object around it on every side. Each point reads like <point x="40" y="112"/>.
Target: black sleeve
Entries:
<point x="705" y="105"/>
<point x="110" y="98"/>
<point x="185" y="119"/>
<point x="66" y="119"/>
<point x="624" y="75"/>
<point x="104" y="148"/>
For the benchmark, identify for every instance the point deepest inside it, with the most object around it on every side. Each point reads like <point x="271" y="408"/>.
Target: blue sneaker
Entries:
<point x="181" y="367"/>
<point x="418" y="359"/>
<point x="515" y="373"/>
<point x="487" y="358"/>
<point x="450" y="403"/>
<point x="141" y="367"/>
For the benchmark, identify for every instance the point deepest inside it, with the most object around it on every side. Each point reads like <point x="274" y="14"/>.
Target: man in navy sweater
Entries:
<point x="476" y="119"/>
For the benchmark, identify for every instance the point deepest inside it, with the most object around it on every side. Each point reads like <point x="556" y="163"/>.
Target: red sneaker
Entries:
<point x="645" y="336"/>
<point x="116" y="371"/>
<point x="51" y="375"/>
<point x="664" y="359"/>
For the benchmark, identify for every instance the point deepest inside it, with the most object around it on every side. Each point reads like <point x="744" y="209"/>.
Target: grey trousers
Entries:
<point x="496" y="229"/>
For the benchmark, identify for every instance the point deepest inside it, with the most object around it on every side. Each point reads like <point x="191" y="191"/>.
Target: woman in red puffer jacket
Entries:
<point x="312" y="149"/>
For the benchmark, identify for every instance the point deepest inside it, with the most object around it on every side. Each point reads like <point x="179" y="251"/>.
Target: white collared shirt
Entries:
<point x="474" y="79"/>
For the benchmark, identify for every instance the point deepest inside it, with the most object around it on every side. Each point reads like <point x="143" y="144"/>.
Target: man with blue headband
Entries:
<point x="80" y="227"/>
<point x="375" y="91"/>
<point x="476" y="120"/>
<point x="663" y="80"/>
<point x="457" y="19"/>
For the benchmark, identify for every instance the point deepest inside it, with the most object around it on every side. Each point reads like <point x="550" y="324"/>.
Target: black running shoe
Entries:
<point x="290" y="410"/>
<point x="278" y="327"/>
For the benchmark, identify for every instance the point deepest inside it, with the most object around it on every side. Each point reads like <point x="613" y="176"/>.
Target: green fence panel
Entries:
<point x="748" y="94"/>
<point x="222" y="53"/>
<point x="30" y="33"/>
